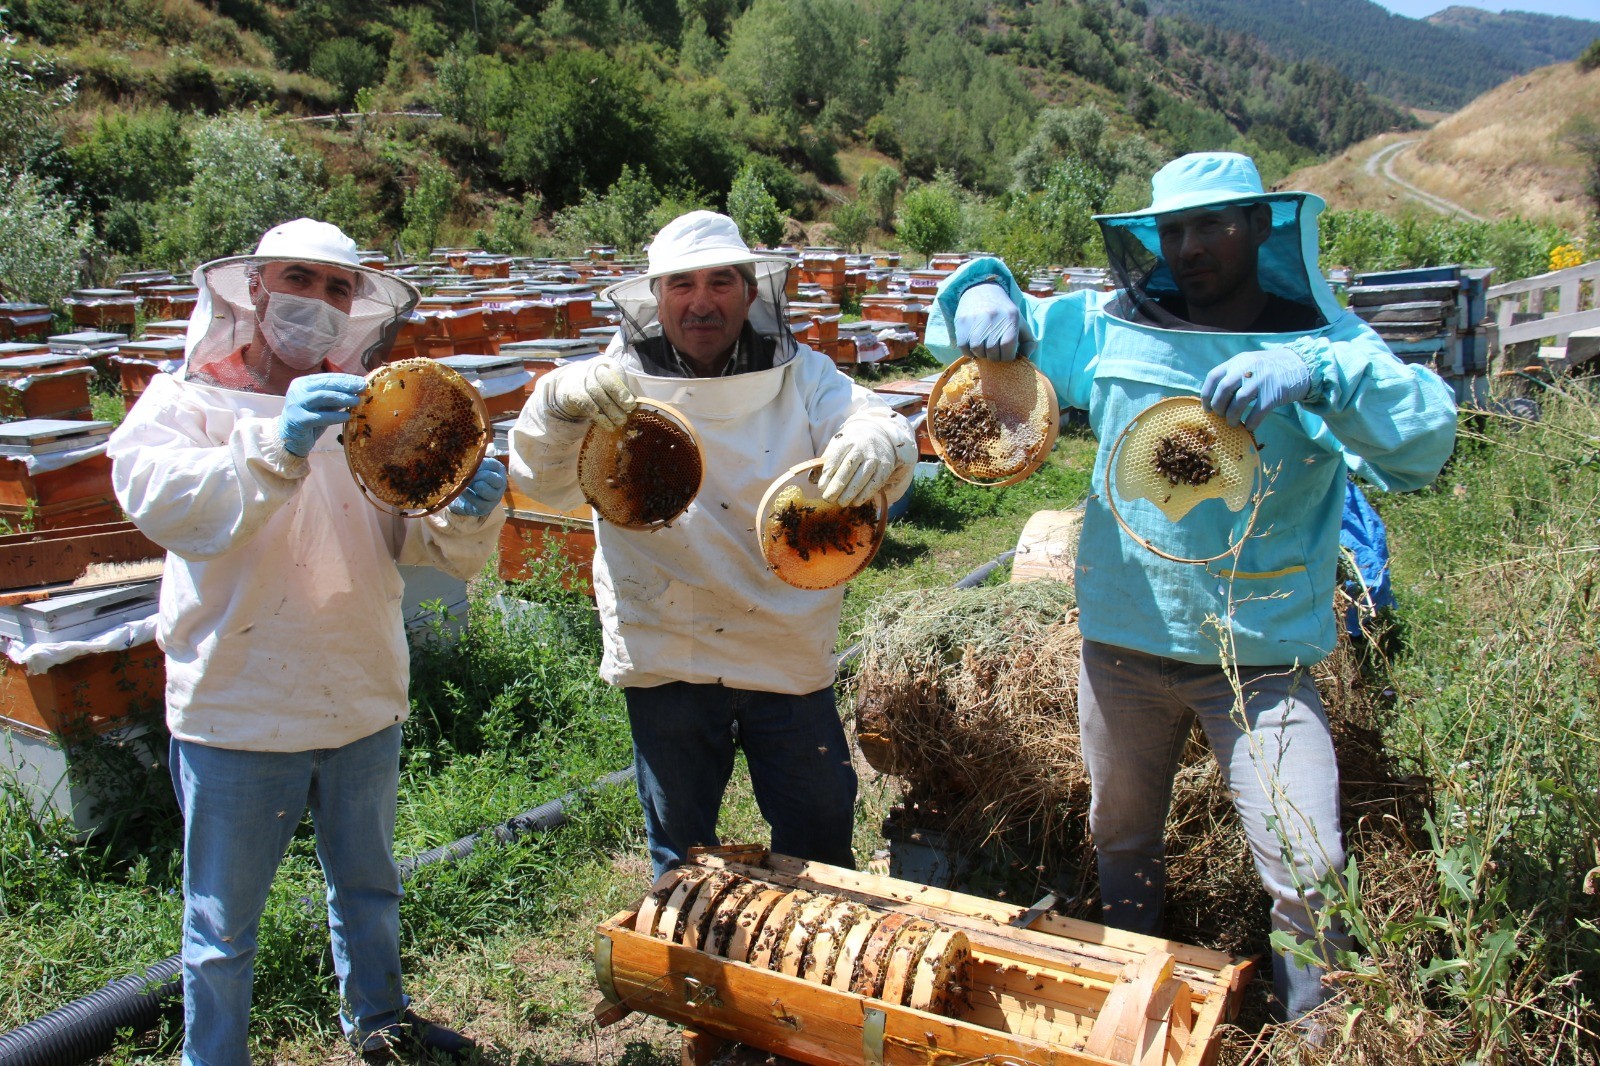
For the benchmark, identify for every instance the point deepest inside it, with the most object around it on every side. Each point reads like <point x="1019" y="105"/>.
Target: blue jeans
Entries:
<point x="1276" y="758"/>
<point x="240" y="810"/>
<point x="683" y="741"/>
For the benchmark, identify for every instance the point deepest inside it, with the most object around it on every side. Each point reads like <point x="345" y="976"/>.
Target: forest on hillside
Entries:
<point x="1428" y="63"/>
<point x="527" y="124"/>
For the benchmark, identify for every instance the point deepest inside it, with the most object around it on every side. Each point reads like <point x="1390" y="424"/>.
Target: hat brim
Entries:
<point x="400" y="293"/>
<point x="1198" y="199"/>
<point x="636" y="287"/>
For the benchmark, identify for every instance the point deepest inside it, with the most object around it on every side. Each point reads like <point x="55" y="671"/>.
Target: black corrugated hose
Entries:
<point x="88" y="1027"/>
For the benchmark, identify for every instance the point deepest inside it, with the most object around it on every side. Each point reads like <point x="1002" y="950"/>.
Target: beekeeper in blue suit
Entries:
<point x="1218" y="296"/>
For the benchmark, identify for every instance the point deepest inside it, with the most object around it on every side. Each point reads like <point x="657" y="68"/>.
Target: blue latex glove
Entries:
<point x="312" y="404"/>
<point x="483" y="493"/>
<point x="987" y="323"/>
<point x="1246" y="387"/>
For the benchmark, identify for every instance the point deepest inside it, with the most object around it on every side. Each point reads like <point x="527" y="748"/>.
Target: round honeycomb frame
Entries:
<point x="416" y="437"/>
<point x="645" y="473"/>
<point x="811" y="543"/>
<point x="1176" y="454"/>
<point x="993" y="423"/>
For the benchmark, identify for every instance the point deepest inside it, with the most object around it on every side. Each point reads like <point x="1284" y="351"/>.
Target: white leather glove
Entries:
<point x="591" y="390"/>
<point x="856" y="465"/>
<point x="987" y="323"/>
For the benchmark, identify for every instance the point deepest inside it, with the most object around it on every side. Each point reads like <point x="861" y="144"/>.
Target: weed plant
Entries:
<point x="1483" y="943"/>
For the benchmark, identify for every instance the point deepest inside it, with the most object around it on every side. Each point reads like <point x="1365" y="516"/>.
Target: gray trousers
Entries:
<point x="1276" y="757"/>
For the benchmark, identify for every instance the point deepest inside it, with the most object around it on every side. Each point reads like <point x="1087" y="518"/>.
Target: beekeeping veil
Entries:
<point x="1286" y="263"/>
<point x="230" y="322"/>
<point x="701" y="240"/>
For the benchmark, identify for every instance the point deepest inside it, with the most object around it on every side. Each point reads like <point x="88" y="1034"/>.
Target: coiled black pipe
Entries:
<point x="88" y="1027"/>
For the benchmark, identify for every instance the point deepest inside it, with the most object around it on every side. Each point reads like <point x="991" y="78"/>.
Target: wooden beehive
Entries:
<point x="1035" y="988"/>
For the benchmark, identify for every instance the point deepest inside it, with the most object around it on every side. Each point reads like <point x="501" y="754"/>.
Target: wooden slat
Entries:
<point x="1119" y="1030"/>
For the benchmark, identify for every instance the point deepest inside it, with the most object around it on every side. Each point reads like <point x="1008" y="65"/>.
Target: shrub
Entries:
<point x="246" y="180"/>
<point x="754" y="209"/>
<point x="877" y="189"/>
<point x="621" y="218"/>
<point x="41" y="241"/>
<point x="347" y="65"/>
<point x="428" y="201"/>
<point x="849" y="225"/>
<point x="930" y="216"/>
<point x="1590" y="59"/>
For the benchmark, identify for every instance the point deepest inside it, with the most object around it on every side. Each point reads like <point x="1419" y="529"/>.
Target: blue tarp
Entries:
<point x="1363" y="541"/>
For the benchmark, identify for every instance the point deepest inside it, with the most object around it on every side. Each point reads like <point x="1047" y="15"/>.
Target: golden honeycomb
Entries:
<point x="811" y="543"/>
<point x="1177" y="454"/>
<point x="992" y="422"/>
<point x="416" y="436"/>
<point x="643" y="474"/>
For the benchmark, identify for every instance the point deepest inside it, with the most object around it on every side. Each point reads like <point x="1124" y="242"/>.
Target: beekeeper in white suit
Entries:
<point x="710" y="648"/>
<point x="287" y="666"/>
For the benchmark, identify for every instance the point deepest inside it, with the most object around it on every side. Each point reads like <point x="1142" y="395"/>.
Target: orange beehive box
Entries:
<point x="89" y="694"/>
<point x="1023" y="986"/>
<point x="55" y="394"/>
<point x="532" y="532"/>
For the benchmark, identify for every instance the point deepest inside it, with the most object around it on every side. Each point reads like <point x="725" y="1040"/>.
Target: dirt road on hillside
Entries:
<point x="1381" y="163"/>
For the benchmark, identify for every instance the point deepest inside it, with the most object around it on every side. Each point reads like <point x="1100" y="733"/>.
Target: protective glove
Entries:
<point x="312" y="404"/>
<point x="591" y="390"/>
<point x="1246" y="387"/>
<point x="858" y="462"/>
<point x="483" y="493"/>
<point x="987" y="323"/>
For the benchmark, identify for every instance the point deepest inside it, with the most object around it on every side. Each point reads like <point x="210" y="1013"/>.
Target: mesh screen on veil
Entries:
<point x="1148" y="292"/>
<point x="225" y="323"/>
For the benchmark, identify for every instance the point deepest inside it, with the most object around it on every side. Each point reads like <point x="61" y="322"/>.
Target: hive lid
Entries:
<point x="645" y="473"/>
<point x="74" y="613"/>
<point x="811" y="543"/>
<point x="416" y="436"/>
<point x="41" y="436"/>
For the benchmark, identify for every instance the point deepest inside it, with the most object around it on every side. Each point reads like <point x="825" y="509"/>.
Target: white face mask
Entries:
<point x="301" y="330"/>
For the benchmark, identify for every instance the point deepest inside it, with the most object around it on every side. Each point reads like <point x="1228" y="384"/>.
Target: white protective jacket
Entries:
<point x="280" y="603"/>
<point x="695" y="601"/>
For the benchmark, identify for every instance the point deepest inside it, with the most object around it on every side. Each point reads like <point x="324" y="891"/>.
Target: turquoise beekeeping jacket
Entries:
<point x="1392" y="423"/>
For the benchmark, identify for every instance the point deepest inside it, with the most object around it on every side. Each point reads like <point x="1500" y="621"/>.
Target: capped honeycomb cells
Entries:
<point x="644" y="474"/>
<point x="992" y="422"/>
<point x="814" y="544"/>
<point x="415" y="436"/>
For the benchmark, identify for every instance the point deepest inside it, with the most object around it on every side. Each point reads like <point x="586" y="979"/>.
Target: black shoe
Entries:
<point x="416" y="1039"/>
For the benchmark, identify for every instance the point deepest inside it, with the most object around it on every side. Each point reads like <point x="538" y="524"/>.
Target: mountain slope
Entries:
<point x="1532" y="40"/>
<point x="1416" y="62"/>
<point x="1501" y="156"/>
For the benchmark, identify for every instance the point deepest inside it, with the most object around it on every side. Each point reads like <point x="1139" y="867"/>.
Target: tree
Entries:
<point x="849" y="225"/>
<point x="347" y="65"/>
<point x="877" y="189"/>
<point x="754" y="209"/>
<point x="246" y="180"/>
<point x="427" y="204"/>
<point x="930" y="216"/>
<point x="1590" y="59"/>
<point x="622" y="218"/>
<point x="32" y="98"/>
<point x="41" y="241"/>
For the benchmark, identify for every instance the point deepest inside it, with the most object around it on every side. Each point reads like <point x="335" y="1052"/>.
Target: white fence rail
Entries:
<point x="1508" y="301"/>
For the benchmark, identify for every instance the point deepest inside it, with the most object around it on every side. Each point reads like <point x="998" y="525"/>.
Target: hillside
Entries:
<point x="1439" y="63"/>
<point x="510" y="124"/>
<point x="1501" y="156"/>
<point x="1531" y="40"/>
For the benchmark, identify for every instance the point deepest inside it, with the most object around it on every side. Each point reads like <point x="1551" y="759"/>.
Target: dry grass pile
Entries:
<point x="970" y="697"/>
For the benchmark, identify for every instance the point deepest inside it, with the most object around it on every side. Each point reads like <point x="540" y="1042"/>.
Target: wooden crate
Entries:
<point x="28" y="560"/>
<point x="90" y="694"/>
<point x="1041" y="989"/>
<point x="67" y="514"/>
